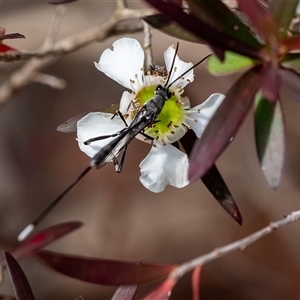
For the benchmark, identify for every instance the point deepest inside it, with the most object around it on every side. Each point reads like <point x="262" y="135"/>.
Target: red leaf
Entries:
<point x="55" y="2"/>
<point x="103" y="271"/>
<point x="5" y="48"/>
<point x="215" y="184"/>
<point x="12" y="36"/>
<point x="20" y="284"/>
<point x="125" y="292"/>
<point x="199" y="28"/>
<point x="271" y="83"/>
<point x="163" y="291"/>
<point x="167" y="26"/>
<point x="4" y="297"/>
<point x="3" y="36"/>
<point x="291" y="43"/>
<point x="225" y="122"/>
<point x="260" y="18"/>
<point x="196" y="283"/>
<point x="217" y="14"/>
<point x="43" y="238"/>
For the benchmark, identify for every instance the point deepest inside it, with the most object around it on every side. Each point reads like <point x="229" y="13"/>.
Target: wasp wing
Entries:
<point x="71" y="124"/>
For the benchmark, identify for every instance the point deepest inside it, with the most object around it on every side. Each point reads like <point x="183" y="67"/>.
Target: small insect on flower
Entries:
<point x="154" y="110"/>
<point x="124" y="64"/>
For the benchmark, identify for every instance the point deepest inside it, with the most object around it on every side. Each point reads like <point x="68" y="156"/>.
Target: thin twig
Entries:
<point x="121" y="4"/>
<point x="54" y="27"/>
<point x="50" y="80"/>
<point x="42" y="58"/>
<point x="147" y="44"/>
<point x="84" y="38"/>
<point x="238" y="245"/>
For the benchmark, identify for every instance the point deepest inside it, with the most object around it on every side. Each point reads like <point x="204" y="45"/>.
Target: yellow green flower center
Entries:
<point x="168" y="120"/>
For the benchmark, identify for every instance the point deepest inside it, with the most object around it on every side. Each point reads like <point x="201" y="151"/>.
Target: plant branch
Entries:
<point x="147" y="44"/>
<point x="40" y="59"/>
<point x="238" y="245"/>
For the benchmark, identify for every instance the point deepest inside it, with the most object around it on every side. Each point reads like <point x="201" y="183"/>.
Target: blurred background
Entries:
<point x="123" y="220"/>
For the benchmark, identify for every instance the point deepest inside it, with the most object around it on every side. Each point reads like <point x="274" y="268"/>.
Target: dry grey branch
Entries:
<point x="238" y="245"/>
<point x="44" y="57"/>
<point x="147" y="44"/>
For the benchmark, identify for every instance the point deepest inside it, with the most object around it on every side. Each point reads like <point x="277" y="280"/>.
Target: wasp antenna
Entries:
<point x="29" y="228"/>
<point x="191" y="68"/>
<point x="172" y="65"/>
<point x="25" y="232"/>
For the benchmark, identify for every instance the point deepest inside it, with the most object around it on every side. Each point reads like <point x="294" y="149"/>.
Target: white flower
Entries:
<point x="165" y="164"/>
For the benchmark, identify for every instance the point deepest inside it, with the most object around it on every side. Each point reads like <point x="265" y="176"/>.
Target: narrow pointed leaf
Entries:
<point x="260" y="18"/>
<point x="42" y="238"/>
<point x="164" y="24"/>
<point x="5" y="48"/>
<point x="269" y="135"/>
<point x="291" y="81"/>
<point x="233" y="62"/>
<point x="55" y="2"/>
<point x="271" y="83"/>
<point x="283" y="12"/>
<point x="225" y="122"/>
<point x="216" y="185"/>
<point x="20" y="284"/>
<point x="125" y="292"/>
<point x="291" y="43"/>
<point x="217" y="14"/>
<point x="214" y="182"/>
<point x="103" y="271"/>
<point x="5" y="297"/>
<point x="196" y="283"/>
<point x="11" y="36"/>
<point x="163" y="291"/>
<point x="1" y="274"/>
<point x="292" y="61"/>
<point x="204" y="31"/>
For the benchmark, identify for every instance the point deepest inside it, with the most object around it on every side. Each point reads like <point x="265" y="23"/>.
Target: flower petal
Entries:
<point x="176" y="134"/>
<point x="179" y="68"/>
<point x="124" y="63"/>
<point x="125" y="102"/>
<point x="94" y="125"/>
<point x="164" y="165"/>
<point x="199" y="116"/>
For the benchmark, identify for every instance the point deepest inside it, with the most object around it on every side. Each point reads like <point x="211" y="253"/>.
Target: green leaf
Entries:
<point x="283" y="12"/>
<point x="217" y="14"/>
<point x="269" y="136"/>
<point x="233" y="62"/>
<point x="164" y="24"/>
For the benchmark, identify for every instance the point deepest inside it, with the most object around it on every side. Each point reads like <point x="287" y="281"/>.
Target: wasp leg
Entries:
<point x="120" y="165"/>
